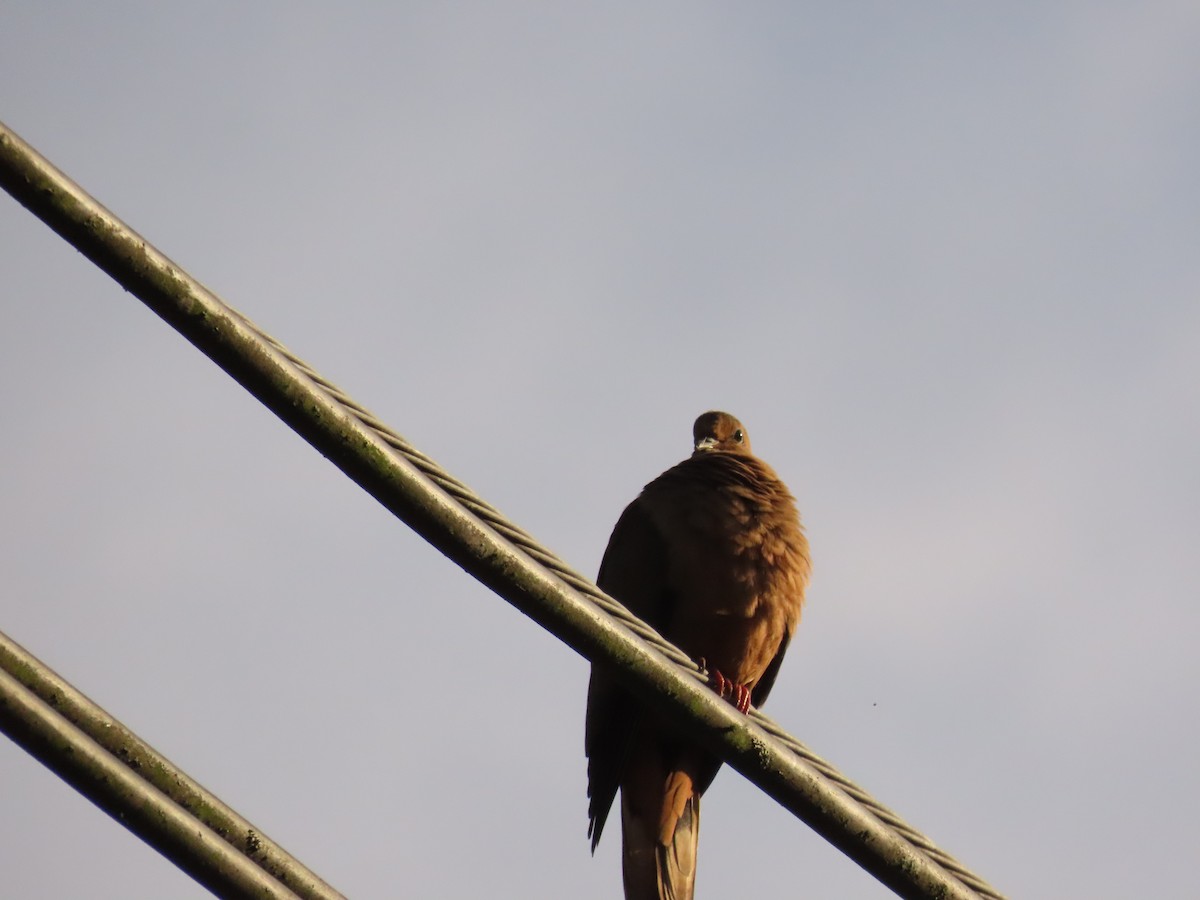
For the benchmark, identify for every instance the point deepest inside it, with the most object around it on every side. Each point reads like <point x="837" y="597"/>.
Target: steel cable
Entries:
<point x="495" y="551"/>
<point x="130" y="781"/>
<point x="585" y="586"/>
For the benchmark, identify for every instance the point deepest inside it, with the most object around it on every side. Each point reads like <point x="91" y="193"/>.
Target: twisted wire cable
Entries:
<point x="495" y="551"/>
<point x="485" y="511"/>
<point x="134" y="783"/>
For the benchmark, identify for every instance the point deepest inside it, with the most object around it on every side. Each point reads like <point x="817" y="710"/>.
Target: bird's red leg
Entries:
<point x="742" y="700"/>
<point x="737" y="694"/>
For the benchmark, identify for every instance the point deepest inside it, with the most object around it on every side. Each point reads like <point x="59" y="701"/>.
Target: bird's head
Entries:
<point x="719" y="432"/>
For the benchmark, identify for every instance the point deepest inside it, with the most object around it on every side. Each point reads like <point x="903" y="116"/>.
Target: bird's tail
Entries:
<point x="659" y="852"/>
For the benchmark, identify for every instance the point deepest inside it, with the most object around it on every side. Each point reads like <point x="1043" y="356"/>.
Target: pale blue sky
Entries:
<point x="941" y="259"/>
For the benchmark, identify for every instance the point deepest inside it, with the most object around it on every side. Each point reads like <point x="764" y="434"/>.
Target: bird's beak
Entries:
<point x="706" y="444"/>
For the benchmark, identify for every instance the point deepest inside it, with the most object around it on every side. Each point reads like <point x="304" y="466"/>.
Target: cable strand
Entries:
<point x="477" y="537"/>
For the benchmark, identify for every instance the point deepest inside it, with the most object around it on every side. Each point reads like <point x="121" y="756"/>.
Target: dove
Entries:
<point x="713" y="556"/>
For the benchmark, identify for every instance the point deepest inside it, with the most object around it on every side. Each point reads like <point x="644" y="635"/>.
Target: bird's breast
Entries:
<point x="737" y="568"/>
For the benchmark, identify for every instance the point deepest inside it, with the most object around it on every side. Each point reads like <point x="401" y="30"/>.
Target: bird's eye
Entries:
<point x="738" y="436"/>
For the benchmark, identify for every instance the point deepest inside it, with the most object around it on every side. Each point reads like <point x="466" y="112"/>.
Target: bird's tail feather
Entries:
<point x="658" y="865"/>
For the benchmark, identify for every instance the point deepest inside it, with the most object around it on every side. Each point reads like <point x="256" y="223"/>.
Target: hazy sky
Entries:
<point x="941" y="258"/>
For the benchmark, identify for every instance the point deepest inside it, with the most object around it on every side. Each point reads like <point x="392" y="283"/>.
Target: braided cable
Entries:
<point x="543" y="556"/>
<point x="476" y="536"/>
<point x="584" y="586"/>
<point x="588" y="589"/>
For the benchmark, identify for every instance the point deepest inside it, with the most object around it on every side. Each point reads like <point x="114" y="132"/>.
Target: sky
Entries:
<point x="940" y="258"/>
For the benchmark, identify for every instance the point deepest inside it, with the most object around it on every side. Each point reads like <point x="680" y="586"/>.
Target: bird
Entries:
<point x="712" y="554"/>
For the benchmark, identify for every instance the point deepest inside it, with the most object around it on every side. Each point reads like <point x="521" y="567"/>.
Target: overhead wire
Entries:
<point x="481" y="540"/>
<point x="141" y="789"/>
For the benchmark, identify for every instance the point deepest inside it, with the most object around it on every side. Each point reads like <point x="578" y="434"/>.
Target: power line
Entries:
<point x="141" y="789"/>
<point x="496" y="552"/>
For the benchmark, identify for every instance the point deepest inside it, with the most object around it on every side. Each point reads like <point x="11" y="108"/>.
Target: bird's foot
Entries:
<point x="737" y="694"/>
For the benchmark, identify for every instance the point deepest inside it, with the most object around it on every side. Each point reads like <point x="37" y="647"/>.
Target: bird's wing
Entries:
<point x="634" y="571"/>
